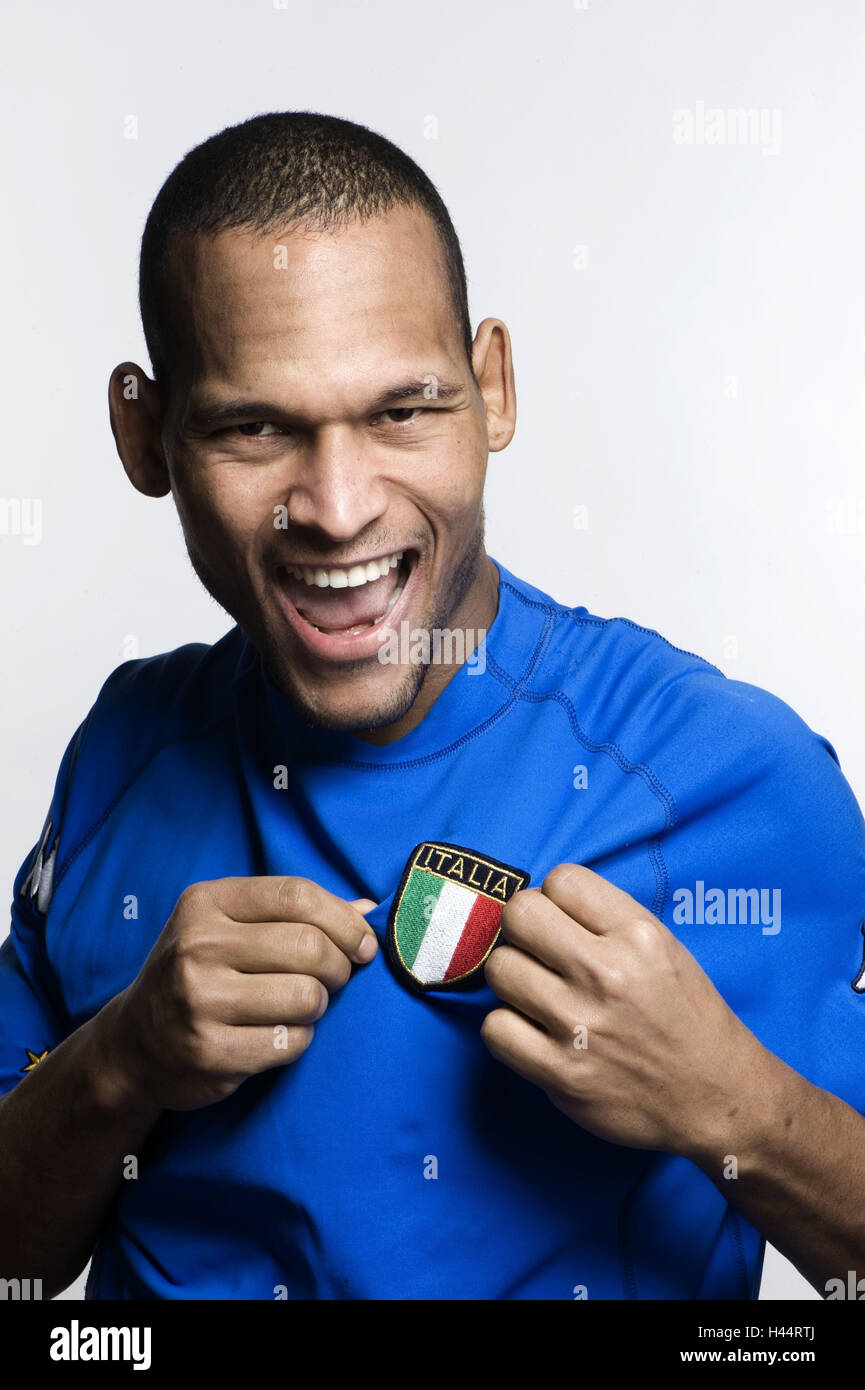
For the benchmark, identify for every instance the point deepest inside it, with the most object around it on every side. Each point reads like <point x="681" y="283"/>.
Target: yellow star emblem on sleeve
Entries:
<point x="34" y="1058"/>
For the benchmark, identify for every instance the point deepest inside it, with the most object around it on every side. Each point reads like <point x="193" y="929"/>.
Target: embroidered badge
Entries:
<point x="446" y="913"/>
<point x="34" y="1058"/>
<point x="859" y="982"/>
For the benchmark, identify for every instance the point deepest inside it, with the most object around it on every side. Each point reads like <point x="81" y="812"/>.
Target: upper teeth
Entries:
<point x="346" y="578"/>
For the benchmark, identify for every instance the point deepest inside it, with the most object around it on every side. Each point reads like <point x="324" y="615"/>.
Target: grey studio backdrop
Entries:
<point x="663" y="201"/>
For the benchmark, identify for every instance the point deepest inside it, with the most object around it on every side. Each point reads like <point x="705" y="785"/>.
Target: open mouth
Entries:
<point x="337" y="608"/>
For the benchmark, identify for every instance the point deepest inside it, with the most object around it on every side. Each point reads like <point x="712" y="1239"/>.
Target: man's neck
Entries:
<point x="474" y="616"/>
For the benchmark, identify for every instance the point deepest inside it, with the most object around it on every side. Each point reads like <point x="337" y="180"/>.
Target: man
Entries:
<point x="281" y="1017"/>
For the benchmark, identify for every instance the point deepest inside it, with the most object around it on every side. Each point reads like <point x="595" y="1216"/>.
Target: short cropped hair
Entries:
<point x="281" y="170"/>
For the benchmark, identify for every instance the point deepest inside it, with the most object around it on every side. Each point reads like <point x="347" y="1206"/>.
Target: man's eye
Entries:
<point x="403" y="412"/>
<point x="263" y="429"/>
<point x="254" y="429"/>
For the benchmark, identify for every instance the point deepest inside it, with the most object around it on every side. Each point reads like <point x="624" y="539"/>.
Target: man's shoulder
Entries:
<point x="626" y="684"/>
<point x="152" y="703"/>
<point x="145" y="706"/>
<point x="579" y="644"/>
<point x="174" y="691"/>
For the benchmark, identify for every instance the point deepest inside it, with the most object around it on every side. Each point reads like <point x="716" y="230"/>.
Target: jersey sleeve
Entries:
<point x="768" y="818"/>
<point x="33" y="1019"/>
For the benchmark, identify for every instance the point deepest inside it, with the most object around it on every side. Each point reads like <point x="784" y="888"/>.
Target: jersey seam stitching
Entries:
<point x="625" y="765"/>
<point x="503" y="677"/>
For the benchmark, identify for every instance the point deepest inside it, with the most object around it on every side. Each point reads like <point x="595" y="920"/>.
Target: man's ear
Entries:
<point x="494" y="371"/>
<point x="136" y="423"/>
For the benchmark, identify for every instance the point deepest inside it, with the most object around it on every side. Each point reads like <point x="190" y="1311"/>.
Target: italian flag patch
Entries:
<point x="446" y="914"/>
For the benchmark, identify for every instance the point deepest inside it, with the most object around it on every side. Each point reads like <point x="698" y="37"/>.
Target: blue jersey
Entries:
<point x="396" y="1158"/>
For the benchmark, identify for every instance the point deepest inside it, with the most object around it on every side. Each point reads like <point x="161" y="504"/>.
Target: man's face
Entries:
<point x="314" y="469"/>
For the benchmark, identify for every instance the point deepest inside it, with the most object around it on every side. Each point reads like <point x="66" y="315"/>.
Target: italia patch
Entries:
<point x="446" y="914"/>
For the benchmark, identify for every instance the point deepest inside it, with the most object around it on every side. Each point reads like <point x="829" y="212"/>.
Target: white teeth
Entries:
<point x="365" y="626"/>
<point x="346" y="578"/>
<point x="393" y="598"/>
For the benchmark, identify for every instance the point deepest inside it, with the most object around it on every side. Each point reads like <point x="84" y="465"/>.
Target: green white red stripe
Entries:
<point x="445" y="916"/>
<point x="444" y="930"/>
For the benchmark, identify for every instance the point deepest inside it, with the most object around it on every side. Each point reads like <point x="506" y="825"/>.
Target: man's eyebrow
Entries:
<point x="430" y="388"/>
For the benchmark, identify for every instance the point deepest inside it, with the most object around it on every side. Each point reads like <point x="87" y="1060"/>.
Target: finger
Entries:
<point x="598" y="905"/>
<point x="364" y="905"/>
<point x="246" y="1051"/>
<point x="521" y="1046"/>
<point x="270" y="898"/>
<point x="525" y="984"/>
<point x="272" y="999"/>
<point x="260" y="948"/>
<point x="536" y="925"/>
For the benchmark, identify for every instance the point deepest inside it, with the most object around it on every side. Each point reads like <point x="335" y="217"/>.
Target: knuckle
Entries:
<point x="299" y="1036"/>
<point x="517" y="910"/>
<point x="559" y="879"/>
<point x="204" y="1046"/>
<point x="613" y="980"/>
<point x="572" y="1084"/>
<point x="194" y="1001"/>
<point x="194" y="899"/>
<point x="185" y="977"/>
<point x="341" y="969"/>
<point x="496" y="965"/>
<point x="195" y="944"/>
<point x="309" y="944"/>
<point x="310" y="997"/>
<point x="295" y="896"/>
<point x="488" y="1028"/>
<point x="300" y="1040"/>
<point x="224" y="1086"/>
<point x="493" y="1029"/>
<point x="643" y="933"/>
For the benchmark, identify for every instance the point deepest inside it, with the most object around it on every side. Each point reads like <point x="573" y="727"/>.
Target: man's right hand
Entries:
<point x="241" y="972"/>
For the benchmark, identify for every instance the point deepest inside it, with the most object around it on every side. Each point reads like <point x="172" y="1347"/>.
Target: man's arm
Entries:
<point x="667" y="1065"/>
<point x="64" y="1133"/>
<point x="233" y="986"/>
<point x="800" y="1166"/>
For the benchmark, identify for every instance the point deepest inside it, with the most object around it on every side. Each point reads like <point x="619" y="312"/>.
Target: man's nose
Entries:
<point x="338" y="487"/>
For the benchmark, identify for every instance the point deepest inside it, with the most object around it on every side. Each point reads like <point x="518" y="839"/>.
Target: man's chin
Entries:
<point x="354" y="711"/>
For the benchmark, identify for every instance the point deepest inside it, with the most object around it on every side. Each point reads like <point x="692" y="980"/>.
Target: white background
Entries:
<point x="693" y="377"/>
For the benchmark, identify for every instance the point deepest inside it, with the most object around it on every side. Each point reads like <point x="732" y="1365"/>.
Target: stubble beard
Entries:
<point x="393" y="704"/>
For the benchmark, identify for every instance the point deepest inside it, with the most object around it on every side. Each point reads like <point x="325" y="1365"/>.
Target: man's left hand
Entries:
<point x="613" y="1018"/>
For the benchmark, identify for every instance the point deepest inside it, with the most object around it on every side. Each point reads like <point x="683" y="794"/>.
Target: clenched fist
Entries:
<point x="613" y="1018"/>
<point x="237" y="958"/>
